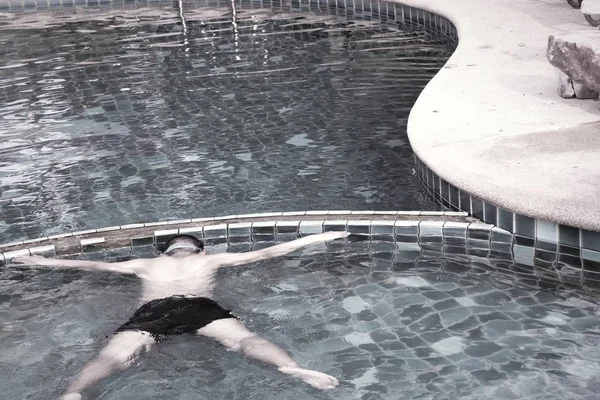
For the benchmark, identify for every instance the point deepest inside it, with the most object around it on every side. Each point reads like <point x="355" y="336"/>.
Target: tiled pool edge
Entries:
<point x="527" y="228"/>
<point x="152" y="232"/>
<point x="458" y="234"/>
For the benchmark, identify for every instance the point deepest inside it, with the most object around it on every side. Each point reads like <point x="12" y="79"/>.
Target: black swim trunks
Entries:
<point x="174" y="316"/>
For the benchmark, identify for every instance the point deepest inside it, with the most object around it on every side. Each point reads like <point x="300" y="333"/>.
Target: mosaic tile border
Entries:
<point x="545" y="234"/>
<point x="523" y="259"/>
<point x="252" y="220"/>
<point x="385" y="11"/>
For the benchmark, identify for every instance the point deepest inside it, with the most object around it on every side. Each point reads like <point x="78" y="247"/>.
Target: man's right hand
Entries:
<point x="71" y="396"/>
<point x="31" y="260"/>
<point x="331" y="235"/>
<point x="233" y="259"/>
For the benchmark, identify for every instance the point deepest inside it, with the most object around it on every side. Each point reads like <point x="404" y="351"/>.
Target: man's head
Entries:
<point x="183" y="245"/>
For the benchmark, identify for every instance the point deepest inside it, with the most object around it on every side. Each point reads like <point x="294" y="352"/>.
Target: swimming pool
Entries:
<point x="114" y="120"/>
<point x="120" y="119"/>
<point x="411" y="319"/>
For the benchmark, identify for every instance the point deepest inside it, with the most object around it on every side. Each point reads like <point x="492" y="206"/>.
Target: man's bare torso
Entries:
<point x="169" y="276"/>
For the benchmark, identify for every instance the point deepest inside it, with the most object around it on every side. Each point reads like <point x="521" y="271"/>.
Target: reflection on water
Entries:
<point x="122" y="120"/>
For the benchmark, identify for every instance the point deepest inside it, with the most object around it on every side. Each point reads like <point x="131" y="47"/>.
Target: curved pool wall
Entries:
<point x="536" y="264"/>
<point x="526" y="230"/>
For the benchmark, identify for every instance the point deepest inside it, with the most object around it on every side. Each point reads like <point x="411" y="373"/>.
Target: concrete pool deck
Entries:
<point x="491" y="122"/>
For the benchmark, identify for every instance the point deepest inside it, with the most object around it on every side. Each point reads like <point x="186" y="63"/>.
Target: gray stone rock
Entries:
<point x="567" y="89"/>
<point x="578" y="56"/>
<point x="565" y="86"/>
<point x="583" y="92"/>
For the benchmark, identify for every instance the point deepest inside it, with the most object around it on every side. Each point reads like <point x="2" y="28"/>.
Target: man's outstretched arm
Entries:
<point x="233" y="259"/>
<point x="125" y="267"/>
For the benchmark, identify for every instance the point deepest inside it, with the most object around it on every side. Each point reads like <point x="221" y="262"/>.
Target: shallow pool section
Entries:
<point x="123" y="119"/>
<point x="391" y="320"/>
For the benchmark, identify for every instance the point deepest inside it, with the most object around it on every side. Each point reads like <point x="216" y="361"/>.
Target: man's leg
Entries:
<point x="120" y="352"/>
<point x="233" y="334"/>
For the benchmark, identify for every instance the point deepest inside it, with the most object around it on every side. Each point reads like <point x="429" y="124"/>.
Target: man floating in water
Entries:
<point x="177" y="298"/>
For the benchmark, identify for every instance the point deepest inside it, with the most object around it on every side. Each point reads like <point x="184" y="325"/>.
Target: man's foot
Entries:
<point x="314" y="378"/>
<point x="71" y="396"/>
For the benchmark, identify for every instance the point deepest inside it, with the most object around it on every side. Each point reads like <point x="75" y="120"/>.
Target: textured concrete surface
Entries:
<point x="492" y="123"/>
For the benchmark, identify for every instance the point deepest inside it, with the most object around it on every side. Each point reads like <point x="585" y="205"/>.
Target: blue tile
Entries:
<point x="375" y="8"/>
<point x="287" y="227"/>
<point x="444" y="190"/>
<point x="410" y="13"/>
<point x="501" y="247"/>
<point x="523" y="260"/>
<point x="500" y="235"/>
<point x="591" y="261"/>
<point x="436" y="184"/>
<point x="465" y="201"/>
<point x="454" y="197"/>
<point x="429" y="177"/>
<point x="455" y="230"/>
<point x="242" y="229"/>
<point x="142" y="241"/>
<point x="524" y="241"/>
<point x="262" y="245"/>
<point x="547" y="256"/>
<point x="239" y="247"/>
<point x="477" y="208"/>
<point x="479" y="231"/>
<point x="258" y="237"/>
<point x="146" y="251"/>
<point x="568" y="235"/>
<point x="119" y="253"/>
<point x="573" y="261"/>
<point x="546" y="246"/>
<point x="590" y="240"/>
<point x="431" y="229"/>
<point x="524" y="251"/>
<point x="490" y="213"/>
<point x="505" y="219"/>
<point x="359" y="227"/>
<point x="382" y="228"/>
<point x="336" y="226"/>
<point x="590" y="255"/>
<point x="397" y="9"/>
<point x="524" y="226"/>
<point x="267" y="228"/>
<point x="310" y="227"/>
<point x="407" y="228"/>
<point x="215" y="231"/>
<point x="546" y="231"/>
<point x="569" y="250"/>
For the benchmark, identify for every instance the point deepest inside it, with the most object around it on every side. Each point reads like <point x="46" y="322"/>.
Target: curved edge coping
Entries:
<point x="487" y="145"/>
<point x="299" y="222"/>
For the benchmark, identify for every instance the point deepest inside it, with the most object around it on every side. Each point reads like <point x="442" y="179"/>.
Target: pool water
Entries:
<point x="117" y="120"/>
<point x="389" y="320"/>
